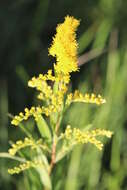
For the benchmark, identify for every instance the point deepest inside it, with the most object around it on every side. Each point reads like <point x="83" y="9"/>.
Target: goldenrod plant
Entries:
<point x="54" y="142"/>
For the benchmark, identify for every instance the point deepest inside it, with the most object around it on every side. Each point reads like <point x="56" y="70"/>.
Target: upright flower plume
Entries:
<point x="44" y="151"/>
<point x="64" y="46"/>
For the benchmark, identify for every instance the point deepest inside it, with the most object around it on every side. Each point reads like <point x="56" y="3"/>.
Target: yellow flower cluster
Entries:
<point x="22" y="144"/>
<point x="35" y="112"/>
<point x="42" y="86"/>
<point x="64" y="46"/>
<point x="87" y="98"/>
<point x="55" y="100"/>
<point x="55" y="103"/>
<point x="49" y="76"/>
<point x="24" y="166"/>
<point x="45" y="90"/>
<point x="77" y="136"/>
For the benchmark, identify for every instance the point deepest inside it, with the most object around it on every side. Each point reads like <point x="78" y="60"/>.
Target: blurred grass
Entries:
<point x="27" y="28"/>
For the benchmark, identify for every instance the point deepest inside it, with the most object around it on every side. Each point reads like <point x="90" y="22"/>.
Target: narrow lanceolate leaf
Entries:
<point x="43" y="127"/>
<point x="7" y="155"/>
<point x="43" y="170"/>
<point x="45" y="179"/>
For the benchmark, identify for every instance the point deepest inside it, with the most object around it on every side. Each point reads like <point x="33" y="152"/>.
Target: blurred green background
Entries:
<point x="27" y="27"/>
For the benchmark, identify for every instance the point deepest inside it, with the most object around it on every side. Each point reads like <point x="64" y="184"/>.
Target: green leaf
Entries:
<point x="43" y="128"/>
<point x="86" y="38"/>
<point x="72" y="182"/>
<point x="44" y="177"/>
<point x="43" y="170"/>
<point x="7" y="155"/>
<point x="104" y="28"/>
<point x="55" y="87"/>
<point x="24" y="129"/>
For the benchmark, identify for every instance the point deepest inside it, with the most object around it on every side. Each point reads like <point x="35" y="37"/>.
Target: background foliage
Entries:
<point x="27" y="28"/>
